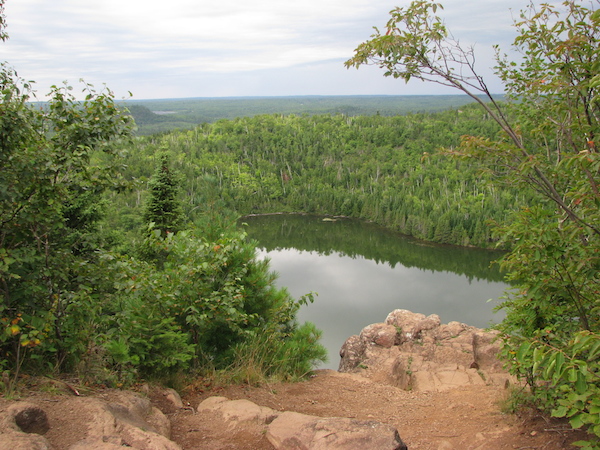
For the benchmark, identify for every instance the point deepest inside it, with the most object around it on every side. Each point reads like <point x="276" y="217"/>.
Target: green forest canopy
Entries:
<point x="378" y="168"/>
<point x="153" y="116"/>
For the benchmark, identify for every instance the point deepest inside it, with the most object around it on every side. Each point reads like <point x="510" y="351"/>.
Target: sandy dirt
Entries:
<point x="460" y="418"/>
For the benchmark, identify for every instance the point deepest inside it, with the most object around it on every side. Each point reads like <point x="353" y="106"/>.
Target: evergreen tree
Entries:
<point x="163" y="207"/>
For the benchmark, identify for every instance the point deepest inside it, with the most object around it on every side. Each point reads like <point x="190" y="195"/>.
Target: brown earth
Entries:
<point x="461" y="418"/>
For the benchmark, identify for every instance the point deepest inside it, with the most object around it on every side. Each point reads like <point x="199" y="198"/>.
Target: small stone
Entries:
<point x="173" y="397"/>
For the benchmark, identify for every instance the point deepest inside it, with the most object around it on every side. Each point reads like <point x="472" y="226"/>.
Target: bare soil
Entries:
<point x="460" y="418"/>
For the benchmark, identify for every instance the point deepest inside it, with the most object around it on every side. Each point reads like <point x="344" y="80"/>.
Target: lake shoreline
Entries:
<point x="390" y="230"/>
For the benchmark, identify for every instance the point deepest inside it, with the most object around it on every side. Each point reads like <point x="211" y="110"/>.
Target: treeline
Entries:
<point x="384" y="169"/>
<point x="159" y="116"/>
<point x="311" y="234"/>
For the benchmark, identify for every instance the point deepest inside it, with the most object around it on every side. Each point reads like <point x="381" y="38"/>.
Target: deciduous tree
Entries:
<point x="549" y="141"/>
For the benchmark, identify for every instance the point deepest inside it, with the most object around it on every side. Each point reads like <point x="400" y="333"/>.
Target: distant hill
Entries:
<point x="157" y="116"/>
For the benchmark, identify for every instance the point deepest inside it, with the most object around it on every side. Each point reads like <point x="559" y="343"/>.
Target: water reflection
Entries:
<point x="355" y="290"/>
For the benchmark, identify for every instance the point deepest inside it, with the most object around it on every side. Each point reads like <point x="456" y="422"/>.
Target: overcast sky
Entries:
<point x="202" y="48"/>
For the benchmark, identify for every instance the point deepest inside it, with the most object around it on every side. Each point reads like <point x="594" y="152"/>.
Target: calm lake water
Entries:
<point x="361" y="272"/>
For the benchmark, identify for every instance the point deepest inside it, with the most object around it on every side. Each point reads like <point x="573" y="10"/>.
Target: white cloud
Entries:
<point x="142" y="45"/>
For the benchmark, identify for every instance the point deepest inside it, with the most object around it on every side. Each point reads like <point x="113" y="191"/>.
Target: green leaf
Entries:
<point x="522" y="351"/>
<point x="577" y="421"/>
<point x="561" y="411"/>
<point x="581" y="384"/>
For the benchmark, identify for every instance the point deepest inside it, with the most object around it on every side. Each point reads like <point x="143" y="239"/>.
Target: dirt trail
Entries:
<point x="460" y="418"/>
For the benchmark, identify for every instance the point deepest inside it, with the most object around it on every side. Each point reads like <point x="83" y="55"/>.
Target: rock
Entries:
<point x="237" y="411"/>
<point x="291" y="430"/>
<point x="485" y="350"/>
<point x="22" y="441"/>
<point x="380" y="334"/>
<point x="173" y="397"/>
<point x="450" y="331"/>
<point x="27" y="418"/>
<point x="127" y="420"/>
<point x="423" y="353"/>
<point x="351" y="353"/>
<point x="411" y="325"/>
<point x="21" y="427"/>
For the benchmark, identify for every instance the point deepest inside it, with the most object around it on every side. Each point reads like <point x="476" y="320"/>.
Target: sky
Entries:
<point x="228" y="48"/>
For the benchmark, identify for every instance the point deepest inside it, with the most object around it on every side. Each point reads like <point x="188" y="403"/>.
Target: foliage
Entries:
<point x="69" y="301"/>
<point x="50" y="199"/>
<point x="266" y="356"/>
<point x="163" y="207"/>
<point x="382" y="169"/>
<point x="570" y="371"/>
<point x="3" y="34"/>
<point x="207" y="300"/>
<point x="548" y="143"/>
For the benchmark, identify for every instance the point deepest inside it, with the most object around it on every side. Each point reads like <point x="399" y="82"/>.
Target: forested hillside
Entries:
<point x="384" y="169"/>
<point x="157" y="116"/>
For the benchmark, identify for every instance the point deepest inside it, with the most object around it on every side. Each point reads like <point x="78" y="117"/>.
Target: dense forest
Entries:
<point x="384" y="169"/>
<point x="121" y="259"/>
<point x="155" y="116"/>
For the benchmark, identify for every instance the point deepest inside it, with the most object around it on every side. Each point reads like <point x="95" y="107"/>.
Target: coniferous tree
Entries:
<point x="163" y="207"/>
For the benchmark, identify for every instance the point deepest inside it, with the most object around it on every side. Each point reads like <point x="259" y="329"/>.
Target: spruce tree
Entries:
<point x="163" y="207"/>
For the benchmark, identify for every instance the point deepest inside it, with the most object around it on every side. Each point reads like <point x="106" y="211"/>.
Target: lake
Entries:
<point x="361" y="272"/>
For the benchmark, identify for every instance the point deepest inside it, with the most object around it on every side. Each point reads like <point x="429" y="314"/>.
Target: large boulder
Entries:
<point x="234" y="412"/>
<point x="413" y="351"/>
<point x="410" y="326"/>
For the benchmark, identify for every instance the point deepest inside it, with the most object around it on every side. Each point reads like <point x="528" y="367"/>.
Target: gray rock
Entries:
<point x="22" y="426"/>
<point x="411" y="325"/>
<point x="486" y="347"/>
<point x="128" y="420"/>
<point x="172" y="396"/>
<point x="351" y="353"/>
<point x="27" y="418"/>
<point x="23" y="441"/>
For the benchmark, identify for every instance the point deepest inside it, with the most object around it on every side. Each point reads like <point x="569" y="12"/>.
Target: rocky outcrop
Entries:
<point x="124" y="420"/>
<point x="413" y="351"/>
<point x="292" y="430"/>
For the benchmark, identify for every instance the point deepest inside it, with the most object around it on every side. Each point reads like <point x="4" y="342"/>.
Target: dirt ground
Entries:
<point x="461" y="418"/>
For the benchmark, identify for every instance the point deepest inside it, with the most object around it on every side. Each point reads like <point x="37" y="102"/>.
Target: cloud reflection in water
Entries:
<point x="355" y="292"/>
